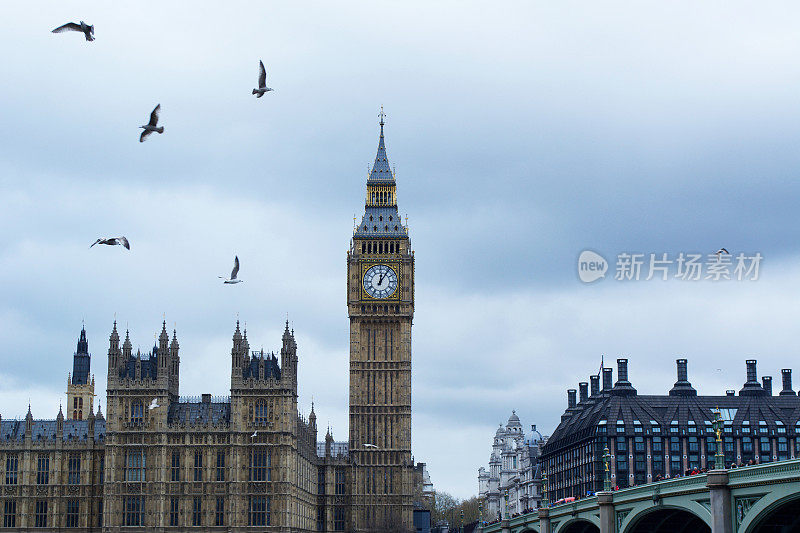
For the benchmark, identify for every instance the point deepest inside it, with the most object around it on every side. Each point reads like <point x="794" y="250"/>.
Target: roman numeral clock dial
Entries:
<point x="380" y="281"/>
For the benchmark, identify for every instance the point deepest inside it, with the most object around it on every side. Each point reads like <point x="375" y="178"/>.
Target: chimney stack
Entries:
<point x="786" y="374"/>
<point x="623" y="387"/>
<point x="683" y="374"/>
<point x="583" y="391"/>
<point x="752" y="374"/>
<point x="682" y="387"/>
<point x="752" y="387"/>
<point x="594" y="385"/>
<point x="767" y="380"/>
<point x="608" y="379"/>
<point x="622" y="370"/>
<point x="571" y="398"/>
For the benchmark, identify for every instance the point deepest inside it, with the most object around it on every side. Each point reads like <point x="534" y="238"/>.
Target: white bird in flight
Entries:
<point x="722" y="251"/>
<point x="86" y="29"/>
<point x="369" y="445"/>
<point x="234" y="272"/>
<point x="254" y="434"/>
<point x="113" y="241"/>
<point x="262" y="81"/>
<point x="153" y="404"/>
<point x="151" y="126"/>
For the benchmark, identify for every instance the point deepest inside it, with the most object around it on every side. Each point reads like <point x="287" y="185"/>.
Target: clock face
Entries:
<point x="380" y="281"/>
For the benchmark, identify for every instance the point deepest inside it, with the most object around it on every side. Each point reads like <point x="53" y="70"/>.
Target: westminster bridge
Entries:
<point x="741" y="500"/>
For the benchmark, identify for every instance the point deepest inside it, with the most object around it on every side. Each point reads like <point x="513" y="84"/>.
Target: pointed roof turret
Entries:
<point x="83" y="344"/>
<point x="381" y="173"/>
<point x="81" y="361"/>
<point x="381" y="218"/>
<point x="99" y="412"/>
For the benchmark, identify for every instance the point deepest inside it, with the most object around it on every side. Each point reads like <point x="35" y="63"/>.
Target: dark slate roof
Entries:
<point x="149" y="366"/>
<point x="81" y="361"/>
<point x="375" y="223"/>
<point x="381" y="174"/>
<point x="199" y="413"/>
<point x="582" y="421"/>
<point x="262" y="367"/>
<point x="46" y="429"/>
<point x="371" y="224"/>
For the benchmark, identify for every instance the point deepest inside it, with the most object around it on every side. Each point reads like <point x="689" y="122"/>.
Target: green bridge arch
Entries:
<point x="725" y="501"/>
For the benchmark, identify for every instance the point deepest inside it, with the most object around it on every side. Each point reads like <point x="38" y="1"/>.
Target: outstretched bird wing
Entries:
<point x="98" y="241"/>
<point x="154" y="116"/>
<point x="262" y="75"/>
<point x="124" y="242"/>
<point x="144" y="135"/>
<point x="235" y="270"/>
<point x="69" y="26"/>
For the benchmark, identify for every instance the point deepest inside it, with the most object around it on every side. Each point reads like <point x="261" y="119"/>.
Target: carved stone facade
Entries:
<point x="380" y="302"/>
<point x="244" y="463"/>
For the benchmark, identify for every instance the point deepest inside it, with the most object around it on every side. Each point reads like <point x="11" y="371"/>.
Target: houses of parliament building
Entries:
<point x="242" y="463"/>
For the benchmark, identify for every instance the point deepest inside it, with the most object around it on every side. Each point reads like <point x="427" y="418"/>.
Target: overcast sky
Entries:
<point x="522" y="134"/>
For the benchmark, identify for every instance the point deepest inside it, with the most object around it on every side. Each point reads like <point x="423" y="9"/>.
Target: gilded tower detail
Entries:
<point x="380" y="302"/>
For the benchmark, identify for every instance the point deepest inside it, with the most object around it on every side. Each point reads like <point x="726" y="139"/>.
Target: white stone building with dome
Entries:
<point x="514" y="471"/>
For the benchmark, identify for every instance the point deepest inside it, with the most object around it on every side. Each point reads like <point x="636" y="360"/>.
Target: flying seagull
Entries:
<point x="151" y="126"/>
<point x="262" y="81"/>
<point x="234" y="272"/>
<point x="723" y="251"/>
<point x="112" y="241"/>
<point x="153" y="404"/>
<point x="254" y="434"/>
<point x="88" y="31"/>
<point x="369" y="446"/>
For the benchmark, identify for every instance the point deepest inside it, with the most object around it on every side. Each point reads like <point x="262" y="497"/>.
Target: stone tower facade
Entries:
<point x="380" y="303"/>
<point x="80" y="383"/>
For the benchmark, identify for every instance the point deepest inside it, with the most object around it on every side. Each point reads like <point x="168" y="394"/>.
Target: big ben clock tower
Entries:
<point x="380" y="303"/>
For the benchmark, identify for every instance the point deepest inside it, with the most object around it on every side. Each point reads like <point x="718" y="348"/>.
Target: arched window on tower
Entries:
<point x="261" y="412"/>
<point x="390" y="197"/>
<point x="137" y="412"/>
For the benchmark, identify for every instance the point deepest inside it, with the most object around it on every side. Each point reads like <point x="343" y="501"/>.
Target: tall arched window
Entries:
<point x="137" y="412"/>
<point x="261" y="412"/>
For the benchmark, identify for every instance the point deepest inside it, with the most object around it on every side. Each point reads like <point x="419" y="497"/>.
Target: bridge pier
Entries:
<point x="721" y="509"/>
<point x="505" y="527"/>
<point x="605" y="500"/>
<point x="544" y="520"/>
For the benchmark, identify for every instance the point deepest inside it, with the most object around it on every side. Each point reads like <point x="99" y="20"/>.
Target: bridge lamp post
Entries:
<point x="719" y="457"/>
<point x="480" y="512"/>
<point x="606" y="471"/>
<point x="545" y="503"/>
<point x="505" y="497"/>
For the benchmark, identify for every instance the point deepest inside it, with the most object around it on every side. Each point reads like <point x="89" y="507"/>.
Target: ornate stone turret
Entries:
<point x="312" y="418"/>
<point x="60" y="423"/>
<point x="289" y="357"/>
<point x="80" y="385"/>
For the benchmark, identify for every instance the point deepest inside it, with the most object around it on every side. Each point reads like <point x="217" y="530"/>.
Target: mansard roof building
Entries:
<point x="650" y="437"/>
